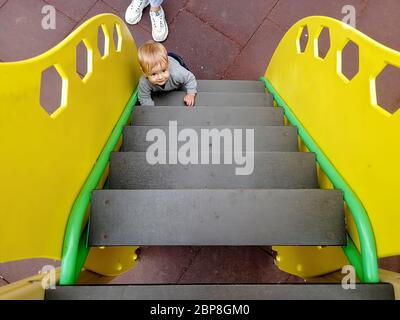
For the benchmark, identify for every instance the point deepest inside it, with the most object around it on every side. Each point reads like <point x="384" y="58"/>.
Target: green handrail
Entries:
<point x="367" y="265"/>
<point x="83" y="251"/>
<point x="75" y="248"/>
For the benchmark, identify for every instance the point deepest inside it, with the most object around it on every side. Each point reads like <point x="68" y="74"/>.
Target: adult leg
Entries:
<point x="156" y="3"/>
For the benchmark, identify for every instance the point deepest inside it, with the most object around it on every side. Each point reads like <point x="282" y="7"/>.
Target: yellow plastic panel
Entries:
<point x="306" y="262"/>
<point x="111" y="261"/>
<point x="360" y="138"/>
<point x="45" y="159"/>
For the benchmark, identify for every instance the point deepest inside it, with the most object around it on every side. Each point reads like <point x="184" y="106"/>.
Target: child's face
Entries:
<point x="159" y="75"/>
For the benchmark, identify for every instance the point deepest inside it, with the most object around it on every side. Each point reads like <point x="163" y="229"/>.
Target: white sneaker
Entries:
<point x="159" y="25"/>
<point x="134" y="12"/>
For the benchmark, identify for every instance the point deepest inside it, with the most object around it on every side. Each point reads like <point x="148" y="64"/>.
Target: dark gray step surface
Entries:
<point x="381" y="291"/>
<point x="217" y="217"/>
<point x="215" y="99"/>
<point x="264" y="170"/>
<point x="219" y="116"/>
<point x="233" y="86"/>
<point x="266" y="138"/>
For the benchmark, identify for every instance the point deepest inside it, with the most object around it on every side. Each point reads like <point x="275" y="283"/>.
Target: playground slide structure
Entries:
<point x="51" y="163"/>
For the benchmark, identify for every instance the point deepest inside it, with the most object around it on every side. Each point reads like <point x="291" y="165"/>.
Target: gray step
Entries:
<point x="266" y="138"/>
<point x="380" y="291"/>
<point x="217" y="217"/>
<point x="215" y="99"/>
<point x="248" y="116"/>
<point x="267" y="170"/>
<point x="234" y="86"/>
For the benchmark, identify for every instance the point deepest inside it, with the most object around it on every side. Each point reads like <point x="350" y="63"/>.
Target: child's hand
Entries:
<point x="189" y="99"/>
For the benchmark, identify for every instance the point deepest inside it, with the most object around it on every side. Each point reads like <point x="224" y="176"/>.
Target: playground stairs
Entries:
<point x="279" y="203"/>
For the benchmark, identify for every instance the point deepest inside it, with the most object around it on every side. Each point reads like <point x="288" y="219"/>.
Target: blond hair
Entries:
<point x="152" y="54"/>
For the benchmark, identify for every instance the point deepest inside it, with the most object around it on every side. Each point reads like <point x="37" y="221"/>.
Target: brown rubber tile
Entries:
<point x="50" y="90"/>
<point x="233" y="265"/>
<point x="75" y="9"/>
<point x="18" y="270"/>
<point x="170" y="7"/>
<point x="288" y="12"/>
<point x="238" y="20"/>
<point x="98" y="8"/>
<point x="252" y="61"/>
<point x="3" y="282"/>
<point x="159" y="265"/>
<point x="294" y="279"/>
<point x="380" y="21"/>
<point x="140" y="35"/>
<point x="388" y="90"/>
<point x="22" y="35"/>
<point x="207" y="52"/>
<point x="390" y="263"/>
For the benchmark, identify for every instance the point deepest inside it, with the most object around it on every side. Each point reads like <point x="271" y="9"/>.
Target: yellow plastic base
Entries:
<point x="111" y="261"/>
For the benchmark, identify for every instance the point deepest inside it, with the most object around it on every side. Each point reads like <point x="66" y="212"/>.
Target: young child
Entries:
<point x="163" y="73"/>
